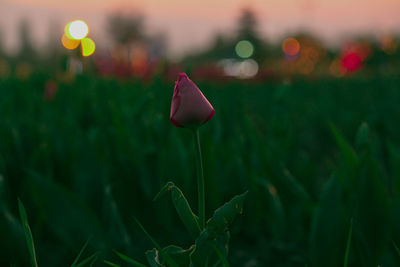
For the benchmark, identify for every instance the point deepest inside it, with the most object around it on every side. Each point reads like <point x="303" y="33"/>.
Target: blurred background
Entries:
<point x="306" y="95"/>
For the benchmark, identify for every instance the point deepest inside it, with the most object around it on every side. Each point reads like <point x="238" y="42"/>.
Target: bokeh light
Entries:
<point x="336" y="69"/>
<point x="291" y="47"/>
<point x="23" y="70"/>
<point x="69" y="43"/>
<point x="248" y="68"/>
<point x="88" y="47"/>
<point x="351" y="62"/>
<point x="239" y="68"/>
<point x="388" y="44"/>
<point x="5" y="68"/>
<point x="244" y="49"/>
<point x="77" y="29"/>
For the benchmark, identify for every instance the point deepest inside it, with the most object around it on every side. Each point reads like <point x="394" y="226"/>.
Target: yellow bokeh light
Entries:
<point x="77" y="29"/>
<point x="88" y="47"/>
<point x="69" y="43"/>
<point x="244" y="49"/>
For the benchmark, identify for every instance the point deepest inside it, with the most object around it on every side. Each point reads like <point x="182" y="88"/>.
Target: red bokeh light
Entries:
<point x="351" y="62"/>
<point x="291" y="47"/>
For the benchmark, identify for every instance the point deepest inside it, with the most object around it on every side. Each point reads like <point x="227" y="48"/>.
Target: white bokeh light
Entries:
<point x="77" y="29"/>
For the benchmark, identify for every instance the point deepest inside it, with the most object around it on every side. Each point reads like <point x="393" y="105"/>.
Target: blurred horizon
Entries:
<point x="190" y="27"/>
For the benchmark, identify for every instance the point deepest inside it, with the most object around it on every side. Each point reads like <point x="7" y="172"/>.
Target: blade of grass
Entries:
<point x="93" y="261"/>
<point x="221" y="257"/>
<point x="346" y="256"/>
<point x="111" y="264"/>
<point x="396" y="248"/>
<point x="80" y="253"/>
<point x="28" y="233"/>
<point x="129" y="260"/>
<point x="345" y="148"/>
<point x="167" y="258"/>
<point x="88" y="259"/>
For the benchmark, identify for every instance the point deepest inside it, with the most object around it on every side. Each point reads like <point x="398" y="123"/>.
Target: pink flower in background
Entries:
<point x="50" y="91"/>
<point x="189" y="107"/>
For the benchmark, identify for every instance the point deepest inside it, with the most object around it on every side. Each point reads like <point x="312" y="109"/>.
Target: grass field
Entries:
<point x="320" y="159"/>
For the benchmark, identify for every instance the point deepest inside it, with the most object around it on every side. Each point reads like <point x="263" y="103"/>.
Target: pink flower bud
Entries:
<point x="189" y="107"/>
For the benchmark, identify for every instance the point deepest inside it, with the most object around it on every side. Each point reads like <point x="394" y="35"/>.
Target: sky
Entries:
<point x="190" y="25"/>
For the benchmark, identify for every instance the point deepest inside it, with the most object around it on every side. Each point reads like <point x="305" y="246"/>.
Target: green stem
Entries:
<point x="200" y="179"/>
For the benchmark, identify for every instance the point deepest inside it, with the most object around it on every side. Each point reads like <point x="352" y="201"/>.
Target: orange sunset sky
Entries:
<point x="192" y="24"/>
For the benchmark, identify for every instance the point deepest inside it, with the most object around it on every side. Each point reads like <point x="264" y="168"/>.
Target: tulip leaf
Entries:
<point x="167" y="258"/>
<point x="60" y="206"/>
<point x="153" y="258"/>
<point x="348" y="153"/>
<point x="28" y="233"/>
<point x="395" y="166"/>
<point x="216" y="234"/>
<point x="182" y="207"/>
<point x="328" y="231"/>
<point x="224" y="215"/>
<point x="181" y="256"/>
<point x="222" y="258"/>
<point x="362" y="136"/>
<point x="372" y="213"/>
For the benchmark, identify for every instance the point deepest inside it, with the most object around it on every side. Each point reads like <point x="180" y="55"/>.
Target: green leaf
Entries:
<point x="224" y="215"/>
<point x="129" y="260"/>
<point x="93" y="261"/>
<point x="111" y="264"/>
<point x="274" y="207"/>
<point x="293" y="186"/>
<point x="182" y="207"/>
<point x="346" y="255"/>
<point x="88" y="259"/>
<point x="216" y="230"/>
<point x="80" y="254"/>
<point x="345" y="148"/>
<point x="28" y="233"/>
<point x="328" y="231"/>
<point x="166" y="257"/>
<point x="181" y="256"/>
<point x="362" y="136"/>
<point x="60" y="206"/>
<point x="395" y="168"/>
<point x="221" y="257"/>
<point x="396" y="248"/>
<point x="372" y="213"/>
<point x="153" y="258"/>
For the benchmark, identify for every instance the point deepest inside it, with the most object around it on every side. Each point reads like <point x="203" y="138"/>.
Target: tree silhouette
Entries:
<point x="247" y="29"/>
<point x="26" y="51"/>
<point x="247" y="26"/>
<point x="125" y="28"/>
<point x="2" y="52"/>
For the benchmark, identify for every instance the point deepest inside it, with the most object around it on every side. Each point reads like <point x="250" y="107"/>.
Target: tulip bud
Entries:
<point x="189" y="107"/>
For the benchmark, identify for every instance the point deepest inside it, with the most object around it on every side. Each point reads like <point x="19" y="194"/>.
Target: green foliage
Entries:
<point x="216" y="234"/>
<point x="129" y="260"/>
<point x="98" y="153"/>
<point x="214" y="238"/>
<point x="28" y="234"/>
<point x="189" y="219"/>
